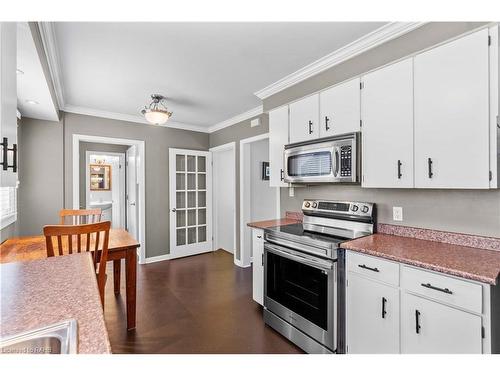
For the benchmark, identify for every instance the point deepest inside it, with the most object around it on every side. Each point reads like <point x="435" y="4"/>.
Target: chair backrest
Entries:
<point x="78" y="217"/>
<point x="81" y="238"/>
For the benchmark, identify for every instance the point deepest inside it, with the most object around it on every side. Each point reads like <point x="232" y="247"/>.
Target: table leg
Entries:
<point x="117" y="263"/>
<point x="131" y="284"/>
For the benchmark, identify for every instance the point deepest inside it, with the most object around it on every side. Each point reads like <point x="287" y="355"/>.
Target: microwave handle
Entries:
<point x="336" y="157"/>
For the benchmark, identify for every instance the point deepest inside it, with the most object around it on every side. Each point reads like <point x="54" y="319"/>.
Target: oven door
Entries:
<point x="301" y="289"/>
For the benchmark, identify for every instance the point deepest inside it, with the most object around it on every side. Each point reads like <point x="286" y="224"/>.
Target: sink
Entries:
<point x="104" y="205"/>
<point x="59" y="338"/>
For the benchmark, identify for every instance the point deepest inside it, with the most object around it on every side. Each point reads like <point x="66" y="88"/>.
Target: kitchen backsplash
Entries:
<point x="475" y="212"/>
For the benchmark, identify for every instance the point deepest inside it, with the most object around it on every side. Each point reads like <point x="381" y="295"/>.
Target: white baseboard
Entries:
<point x="155" y="259"/>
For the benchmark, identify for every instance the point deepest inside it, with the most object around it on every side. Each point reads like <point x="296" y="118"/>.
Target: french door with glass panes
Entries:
<point x="190" y="202"/>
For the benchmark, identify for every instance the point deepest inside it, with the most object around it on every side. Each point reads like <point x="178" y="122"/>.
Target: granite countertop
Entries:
<point x="273" y="223"/>
<point x="462" y="261"/>
<point x="46" y="291"/>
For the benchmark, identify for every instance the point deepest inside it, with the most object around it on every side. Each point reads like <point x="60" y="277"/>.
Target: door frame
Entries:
<point x="231" y="146"/>
<point x="171" y="197"/>
<point x="245" y="258"/>
<point x="141" y="171"/>
<point x="121" y="183"/>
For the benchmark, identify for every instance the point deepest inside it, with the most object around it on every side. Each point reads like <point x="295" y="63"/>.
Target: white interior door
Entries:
<point x="131" y="197"/>
<point x="224" y="199"/>
<point x="190" y="202"/>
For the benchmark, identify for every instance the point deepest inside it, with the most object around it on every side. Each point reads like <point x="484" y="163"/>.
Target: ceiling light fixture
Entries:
<point x="157" y="112"/>
<point x="32" y="102"/>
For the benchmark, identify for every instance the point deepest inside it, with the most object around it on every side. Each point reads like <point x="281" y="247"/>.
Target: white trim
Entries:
<point x="158" y="258"/>
<point x="141" y="147"/>
<point x="49" y="42"/>
<point x="131" y="118"/>
<point x="371" y="40"/>
<point x="231" y="146"/>
<point x="8" y="220"/>
<point x="238" y="118"/>
<point x="246" y="262"/>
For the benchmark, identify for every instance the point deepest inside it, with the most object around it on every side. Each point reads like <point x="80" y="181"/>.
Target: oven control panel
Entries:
<point x="322" y="207"/>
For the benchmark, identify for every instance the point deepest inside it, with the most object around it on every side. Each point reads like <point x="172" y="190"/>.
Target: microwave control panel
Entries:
<point x="345" y="161"/>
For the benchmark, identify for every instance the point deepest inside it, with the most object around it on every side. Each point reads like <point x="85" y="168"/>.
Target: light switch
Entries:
<point x="397" y="213"/>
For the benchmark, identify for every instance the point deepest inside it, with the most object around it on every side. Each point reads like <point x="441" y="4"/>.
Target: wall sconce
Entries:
<point x="5" y="153"/>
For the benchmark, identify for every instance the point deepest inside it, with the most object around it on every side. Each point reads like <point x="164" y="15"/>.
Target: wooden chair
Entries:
<point x="79" y="217"/>
<point x="81" y="238"/>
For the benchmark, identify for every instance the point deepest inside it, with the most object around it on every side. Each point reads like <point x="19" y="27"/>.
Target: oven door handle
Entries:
<point x="327" y="266"/>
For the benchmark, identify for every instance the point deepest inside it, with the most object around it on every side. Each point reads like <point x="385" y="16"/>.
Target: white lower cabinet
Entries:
<point x="423" y="312"/>
<point x="258" y="265"/>
<point x="430" y="327"/>
<point x="373" y="316"/>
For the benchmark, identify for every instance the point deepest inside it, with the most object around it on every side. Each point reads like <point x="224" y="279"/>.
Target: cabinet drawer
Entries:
<point x="443" y="288"/>
<point x="374" y="268"/>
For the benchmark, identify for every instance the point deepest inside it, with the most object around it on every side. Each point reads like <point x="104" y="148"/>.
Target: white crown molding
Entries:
<point x="49" y="42"/>
<point x="238" y="118"/>
<point x="377" y="37"/>
<point x="131" y="118"/>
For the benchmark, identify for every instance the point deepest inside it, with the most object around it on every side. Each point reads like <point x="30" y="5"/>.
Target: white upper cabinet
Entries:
<point x="304" y="121"/>
<point x="452" y="114"/>
<point x="340" y="109"/>
<point x="387" y="114"/>
<point x="278" y="138"/>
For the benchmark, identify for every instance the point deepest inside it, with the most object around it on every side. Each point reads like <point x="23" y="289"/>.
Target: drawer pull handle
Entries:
<point x="368" y="268"/>
<point x="417" y="322"/>
<point x="445" y="290"/>
<point x="384" y="313"/>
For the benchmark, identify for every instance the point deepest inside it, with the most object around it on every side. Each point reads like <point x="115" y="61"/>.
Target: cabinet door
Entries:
<point x="387" y="113"/>
<point x="258" y="266"/>
<point x="430" y="327"/>
<point x="304" y="119"/>
<point x="8" y="96"/>
<point x="451" y="114"/>
<point x="372" y="316"/>
<point x="340" y="109"/>
<point x="278" y="138"/>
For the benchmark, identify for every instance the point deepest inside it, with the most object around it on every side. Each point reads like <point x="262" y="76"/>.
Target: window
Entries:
<point x="8" y="206"/>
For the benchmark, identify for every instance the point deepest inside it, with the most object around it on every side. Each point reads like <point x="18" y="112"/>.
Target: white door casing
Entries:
<point x="190" y="202"/>
<point x="131" y="197"/>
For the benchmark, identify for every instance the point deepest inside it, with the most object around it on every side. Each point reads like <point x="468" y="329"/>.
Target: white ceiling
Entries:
<point x="32" y="85"/>
<point x="208" y="71"/>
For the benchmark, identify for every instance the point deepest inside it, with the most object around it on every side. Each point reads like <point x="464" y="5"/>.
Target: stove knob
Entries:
<point x="364" y="209"/>
<point x="307" y="204"/>
<point x="314" y="205"/>
<point x="354" y="208"/>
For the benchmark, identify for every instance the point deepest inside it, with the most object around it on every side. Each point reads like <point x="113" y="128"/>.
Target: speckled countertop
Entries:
<point x="37" y="293"/>
<point x="272" y="223"/>
<point x="467" y="262"/>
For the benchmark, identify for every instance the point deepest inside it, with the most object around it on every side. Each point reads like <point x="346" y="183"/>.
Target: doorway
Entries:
<point x="138" y="232"/>
<point x="224" y="197"/>
<point x="258" y="201"/>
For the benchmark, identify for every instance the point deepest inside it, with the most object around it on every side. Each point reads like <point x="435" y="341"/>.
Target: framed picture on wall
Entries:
<point x="265" y="170"/>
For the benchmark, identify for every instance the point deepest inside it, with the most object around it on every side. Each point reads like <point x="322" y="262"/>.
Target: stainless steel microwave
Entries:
<point x="332" y="159"/>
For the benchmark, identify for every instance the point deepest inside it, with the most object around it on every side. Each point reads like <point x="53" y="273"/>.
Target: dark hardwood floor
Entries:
<point x="198" y="304"/>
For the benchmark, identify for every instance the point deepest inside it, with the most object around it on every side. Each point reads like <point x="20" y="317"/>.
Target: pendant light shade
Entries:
<point x="157" y="112"/>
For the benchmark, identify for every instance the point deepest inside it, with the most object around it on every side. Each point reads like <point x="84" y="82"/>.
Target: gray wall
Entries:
<point x="89" y="146"/>
<point x="467" y="211"/>
<point x="46" y="171"/>
<point x="263" y="197"/>
<point x="235" y="133"/>
<point x="40" y="175"/>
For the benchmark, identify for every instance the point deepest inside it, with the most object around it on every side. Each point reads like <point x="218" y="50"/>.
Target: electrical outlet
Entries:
<point x="397" y="213"/>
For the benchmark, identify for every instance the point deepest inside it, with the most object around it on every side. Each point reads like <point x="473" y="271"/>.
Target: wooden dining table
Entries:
<point x="121" y="246"/>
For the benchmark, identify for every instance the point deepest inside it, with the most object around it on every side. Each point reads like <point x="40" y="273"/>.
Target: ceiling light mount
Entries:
<point x="157" y="112"/>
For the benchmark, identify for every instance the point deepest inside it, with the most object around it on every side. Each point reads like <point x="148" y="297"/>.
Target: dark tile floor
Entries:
<point x="198" y="304"/>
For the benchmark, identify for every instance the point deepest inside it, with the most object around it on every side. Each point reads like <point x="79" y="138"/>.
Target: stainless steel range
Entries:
<point x="302" y="276"/>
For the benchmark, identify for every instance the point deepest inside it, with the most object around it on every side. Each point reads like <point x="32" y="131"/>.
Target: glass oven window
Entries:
<point x="310" y="164"/>
<point x="300" y="288"/>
